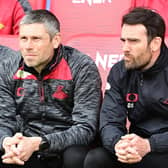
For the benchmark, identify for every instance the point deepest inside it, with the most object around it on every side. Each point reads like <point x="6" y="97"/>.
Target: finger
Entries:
<point x="121" y="156"/>
<point x="13" y="160"/>
<point x="23" y="156"/>
<point x="122" y="146"/>
<point x="133" y="156"/>
<point x="7" y="155"/>
<point x="11" y="152"/>
<point x="132" y="150"/>
<point x="124" y="155"/>
<point x="15" y="150"/>
<point x="6" y="141"/>
<point x="122" y="160"/>
<point x="129" y="158"/>
<point x="8" y="161"/>
<point x="128" y="136"/>
<point x="130" y="161"/>
<point x="18" y="161"/>
<point x="18" y="135"/>
<point x="121" y="152"/>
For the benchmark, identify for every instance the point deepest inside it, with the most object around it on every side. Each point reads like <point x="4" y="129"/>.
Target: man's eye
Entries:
<point x="22" y="38"/>
<point x="36" y="38"/>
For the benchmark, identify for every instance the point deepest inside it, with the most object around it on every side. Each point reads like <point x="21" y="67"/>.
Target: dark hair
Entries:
<point x="152" y="21"/>
<point x="45" y="17"/>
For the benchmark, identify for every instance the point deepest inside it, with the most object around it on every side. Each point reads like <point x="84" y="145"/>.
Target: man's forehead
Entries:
<point x="133" y="31"/>
<point x="35" y="28"/>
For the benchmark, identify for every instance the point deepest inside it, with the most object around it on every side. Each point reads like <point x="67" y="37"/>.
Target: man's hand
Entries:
<point x="11" y="155"/>
<point x="19" y="148"/>
<point x="27" y="146"/>
<point x="141" y="145"/>
<point x="126" y="153"/>
<point x="131" y="148"/>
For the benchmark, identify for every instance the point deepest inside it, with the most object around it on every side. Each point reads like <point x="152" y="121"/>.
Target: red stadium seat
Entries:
<point x="9" y="41"/>
<point x="89" y="16"/>
<point x="38" y="4"/>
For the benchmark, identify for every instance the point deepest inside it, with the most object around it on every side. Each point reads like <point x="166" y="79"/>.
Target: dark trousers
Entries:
<point x="101" y="158"/>
<point x="72" y="157"/>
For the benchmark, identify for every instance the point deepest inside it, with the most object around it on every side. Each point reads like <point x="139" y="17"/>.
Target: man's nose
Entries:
<point x="126" y="46"/>
<point x="29" y="44"/>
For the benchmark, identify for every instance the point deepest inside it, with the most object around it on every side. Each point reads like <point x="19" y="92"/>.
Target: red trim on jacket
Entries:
<point x="21" y="75"/>
<point x="61" y="71"/>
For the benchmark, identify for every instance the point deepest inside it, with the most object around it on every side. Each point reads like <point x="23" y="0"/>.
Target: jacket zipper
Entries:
<point x="141" y="79"/>
<point x="41" y="88"/>
<point x="42" y="100"/>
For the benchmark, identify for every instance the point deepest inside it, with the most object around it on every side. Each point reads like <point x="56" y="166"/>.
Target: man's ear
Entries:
<point x="56" y="40"/>
<point x="156" y="44"/>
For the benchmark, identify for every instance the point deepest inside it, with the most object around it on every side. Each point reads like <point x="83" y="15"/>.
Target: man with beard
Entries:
<point x="137" y="90"/>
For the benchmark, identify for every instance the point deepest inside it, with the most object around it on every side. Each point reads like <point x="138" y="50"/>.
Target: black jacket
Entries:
<point x="61" y="104"/>
<point x="143" y="98"/>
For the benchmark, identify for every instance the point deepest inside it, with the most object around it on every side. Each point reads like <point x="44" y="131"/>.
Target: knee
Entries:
<point x="74" y="156"/>
<point x="94" y="158"/>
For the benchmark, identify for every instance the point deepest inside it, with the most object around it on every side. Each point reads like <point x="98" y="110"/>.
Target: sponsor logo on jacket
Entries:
<point x="59" y="93"/>
<point x="131" y="99"/>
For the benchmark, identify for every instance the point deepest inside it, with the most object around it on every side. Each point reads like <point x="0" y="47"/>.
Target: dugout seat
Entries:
<point x="9" y="41"/>
<point x="38" y="4"/>
<point x="89" y="16"/>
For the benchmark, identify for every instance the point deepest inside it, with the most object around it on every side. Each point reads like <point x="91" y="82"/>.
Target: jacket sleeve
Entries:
<point x="158" y="142"/>
<point x="85" y="114"/>
<point x="113" y="113"/>
<point x="7" y="103"/>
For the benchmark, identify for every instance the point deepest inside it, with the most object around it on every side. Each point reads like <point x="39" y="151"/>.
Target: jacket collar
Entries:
<point x="58" y="54"/>
<point x="161" y="62"/>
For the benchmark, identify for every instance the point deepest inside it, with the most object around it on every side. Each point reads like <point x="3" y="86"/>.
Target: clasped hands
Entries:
<point x="19" y="148"/>
<point x="131" y="148"/>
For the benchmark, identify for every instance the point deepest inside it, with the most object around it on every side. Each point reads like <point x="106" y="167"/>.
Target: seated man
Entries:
<point x="56" y="91"/>
<point x="138" y="90"/>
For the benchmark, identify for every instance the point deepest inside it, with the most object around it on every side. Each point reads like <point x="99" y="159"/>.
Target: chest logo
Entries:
<point x="20" y="92"/>
<point x="60" y="93"/>
<point x="166" y="101"/>
<point x="131" y="99"/>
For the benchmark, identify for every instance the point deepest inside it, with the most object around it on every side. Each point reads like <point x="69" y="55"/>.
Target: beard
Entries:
<point x="137" y="63"/>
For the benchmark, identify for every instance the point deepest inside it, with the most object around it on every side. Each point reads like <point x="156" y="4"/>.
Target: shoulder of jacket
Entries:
<point x="118" y="71"/>
<point x="80" y="58"/>
<point x="9" y="58"/>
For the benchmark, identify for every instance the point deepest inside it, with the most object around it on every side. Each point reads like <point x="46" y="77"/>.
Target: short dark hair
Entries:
<point x="152" y="21"/>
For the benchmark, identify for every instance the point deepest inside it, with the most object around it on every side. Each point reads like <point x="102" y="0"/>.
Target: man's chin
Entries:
<point x="128" y="66"/>
<point x="29" y="65"/>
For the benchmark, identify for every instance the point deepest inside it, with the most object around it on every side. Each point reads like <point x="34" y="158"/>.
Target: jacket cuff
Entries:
<point x="1" y="142"/>
<point x="44" y="145"/>
<point x="152" y="144"/>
